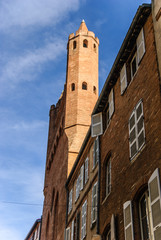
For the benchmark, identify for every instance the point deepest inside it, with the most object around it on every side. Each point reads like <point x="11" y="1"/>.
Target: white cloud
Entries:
<point x="24" y="13"/>
<point x="27" y="66"/>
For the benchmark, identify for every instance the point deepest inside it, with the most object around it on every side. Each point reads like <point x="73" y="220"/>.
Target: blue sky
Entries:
<point x="33" y="40"/>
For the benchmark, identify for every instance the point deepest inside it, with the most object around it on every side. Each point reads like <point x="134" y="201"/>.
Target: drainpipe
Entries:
<point x="98" y="190"/>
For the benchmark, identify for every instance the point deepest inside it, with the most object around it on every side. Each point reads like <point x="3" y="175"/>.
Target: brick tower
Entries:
<point x="82" y="87"/>
<point x="69" y="121"/>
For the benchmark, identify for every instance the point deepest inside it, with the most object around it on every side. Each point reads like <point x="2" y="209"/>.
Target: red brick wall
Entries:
<point x="130" y="176"/>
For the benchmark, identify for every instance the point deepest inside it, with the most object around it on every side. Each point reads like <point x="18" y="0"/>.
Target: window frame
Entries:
<point x="94" y="200"/>
<point x="135" y="127"/>
<point x="95" y="153"/>
<point x="108" y="176"/>
<point x="70" y="201"/>
<point x="84" y="220"/>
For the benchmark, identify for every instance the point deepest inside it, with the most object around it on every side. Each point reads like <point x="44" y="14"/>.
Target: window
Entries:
<point x="110" y="107"/>
<point x="133" y="66"/>
<point x="77" y="188"/>
<point x="74" y="45"/>
<point x="82" y="177"/>
<point x="84" y="86"/>
<point x="136" y="130"/>
<point x="108" y="177"/>
<point x="94" y="89"/>
<point x="84" y="214"/>
<point x="155" y="203"/>
<point x="86" y="171"/>
<point x="70" y="201"/>
<point x="67" y="234"/>
<point x="96" y="126"/>
<point x="95" y="152"/>
<point x="140" y="46"/>
<point x="123" y="79"/>
<point x="94" y="46"/>
<point x="94" y="204"/>
<point x="85" y="43"/>
<point x="145" y="218"/>
<point x="73" y="87"/>
<point x="75" y="227"/>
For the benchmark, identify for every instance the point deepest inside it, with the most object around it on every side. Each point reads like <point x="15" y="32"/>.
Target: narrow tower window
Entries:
<point x="74" y="45"/>
<point x="73" y="87"/>
<point x="94" y="89"/>
<point x="84" y="86"/>
<point x="85" y="43"/>
<point x="94" y="46"/>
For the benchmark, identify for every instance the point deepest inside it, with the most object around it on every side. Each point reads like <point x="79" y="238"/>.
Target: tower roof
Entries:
<point x="83" y="27"/>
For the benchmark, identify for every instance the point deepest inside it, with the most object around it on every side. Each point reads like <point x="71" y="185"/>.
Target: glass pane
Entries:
<point x="133" y="66"/>
<point x="140" y="124"/>
<point x="141" y="139"/>
<point x="132" y="135"/>
<point x="128" y="233"/>
<point x="96" y="118"/>
<point x="132" y="121"/>
<point x="97" y="129"/>
<point x="133" y="149"/>
<point x="139" y="111"/>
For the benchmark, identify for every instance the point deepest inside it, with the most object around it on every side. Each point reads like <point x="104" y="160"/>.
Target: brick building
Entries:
<point x="123" y="190"/>
<point x="69" y="122"/>
<point x="112" y="169"/>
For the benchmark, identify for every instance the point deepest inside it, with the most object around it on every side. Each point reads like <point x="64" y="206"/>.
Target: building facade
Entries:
<point x="68" y="125"/>
<point x="124" y="188"/>
<point x="34" y="233"/>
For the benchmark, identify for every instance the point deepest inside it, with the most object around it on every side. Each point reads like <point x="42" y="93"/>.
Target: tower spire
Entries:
<point x="83" y="27"/>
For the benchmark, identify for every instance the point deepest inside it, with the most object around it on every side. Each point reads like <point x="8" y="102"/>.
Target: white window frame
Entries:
<point x="94" y="201"/>
<point x="111" y="107"/>
<point x="77" y="188"/>
<point x="86" y="171"/>
<point x="133" y="74"/>
<point x="67" y="233"/>
<point x="123" y="78"/>
<point x="70" y="201"/>
<point x="82" y="177"/>
<point x="84" y="215"/>
<point x="95" y="152"/>
<point x="148" y="214"/>
<point x="108" y="177"/>
<point x="134" y="128"/>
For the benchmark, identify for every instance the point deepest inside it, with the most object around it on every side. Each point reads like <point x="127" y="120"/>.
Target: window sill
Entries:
<point x="133" y="159"/>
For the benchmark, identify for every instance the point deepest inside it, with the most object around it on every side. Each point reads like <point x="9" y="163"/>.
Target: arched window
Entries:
<point x="73" y="87"/>
<point x="145" y="216"/>
<point x="74" y="45"/>
<point x="94" y="89"/>
<point x="85" y="43"/>
<point x="84" y="86"/>
<point x="94" y="46"/>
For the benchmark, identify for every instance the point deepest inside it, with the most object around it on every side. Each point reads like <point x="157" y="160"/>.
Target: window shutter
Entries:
<point x="123" y="79"/>
<point x="111" y="103"/>
<point x="113" y="232"/>
<point x="82" y="177"/>
<point x="140" y="46"/>
<point x="72" y="231"/>
<point x="86" y="170"/>
<point x="96" y="126"/>
<point x="155" y="203"/>
<point x="82" y="227"/>
<point x="85" y="220"/>
<point x="128" y="223"/>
